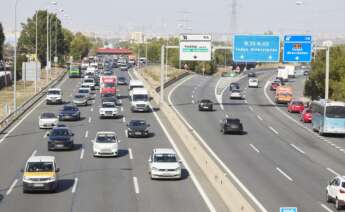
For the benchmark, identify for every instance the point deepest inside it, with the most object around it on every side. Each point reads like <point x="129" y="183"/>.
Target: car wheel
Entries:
<point x="337" y="204"/>
<point x="328" y="198"/>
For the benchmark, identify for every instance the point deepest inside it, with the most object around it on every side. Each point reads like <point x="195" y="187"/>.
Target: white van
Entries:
<point x="140" y="100"/>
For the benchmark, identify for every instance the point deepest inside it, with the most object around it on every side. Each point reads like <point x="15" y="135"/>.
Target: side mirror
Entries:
<point x="57" y="170"/>
<point x="127" y="125"/>
<point x="149" y="125"/>
<point x="22" y="170"/>
<point x="180" y="161"/>
<point x="48" y="134"/>
<point x="119" y="141"/>
<point x="72" y="134"/>
<point x="150" y="160"/>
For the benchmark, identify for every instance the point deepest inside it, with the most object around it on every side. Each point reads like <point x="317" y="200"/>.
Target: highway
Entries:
<point x="87" y="183"/>
<point x="278" y="161"/>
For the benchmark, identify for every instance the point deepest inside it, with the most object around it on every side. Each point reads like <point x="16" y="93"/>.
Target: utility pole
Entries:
<point x="48" y="62"/>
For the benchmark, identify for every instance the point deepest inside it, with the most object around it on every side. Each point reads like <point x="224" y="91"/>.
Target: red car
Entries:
<point x="274" y="86"/>
<point x="295" y="106"/>
<point x="306" y="115"/>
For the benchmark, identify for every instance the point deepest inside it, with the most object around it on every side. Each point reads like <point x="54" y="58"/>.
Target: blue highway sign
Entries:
<point x="256" y="48"/>
<point x="297" y="48"/>
<point x="288" y="209"/>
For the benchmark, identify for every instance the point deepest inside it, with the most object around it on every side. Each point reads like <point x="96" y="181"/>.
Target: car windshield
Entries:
<point x="69" y="108"/>
<point x="205" y="101"/>
<point x="106" y="139"/>
<point x="108" y="105"/>
<point x="137" y="123"/>
<point x="54" y="92"/>
<point x="140" y="97"/>
<point x="232" y="121"/>
<point x="39" y="167"/>
<point x="136" y="86"/>
<point x="335" y="112"/>
<point x="48" y="115"/>
<point x="122" y="79"/>
<point x="59" y="132"/>
<point x="89" y="80"/>
<point x="83" y="91"/>
<point x="164" y="158"/>
<point x="297" y="103"/>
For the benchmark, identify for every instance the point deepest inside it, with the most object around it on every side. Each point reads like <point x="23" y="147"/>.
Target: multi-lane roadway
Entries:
<point x="88" y="183"/>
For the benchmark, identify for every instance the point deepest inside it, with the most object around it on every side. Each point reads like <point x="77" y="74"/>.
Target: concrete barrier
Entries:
<point x="221" y="182"/>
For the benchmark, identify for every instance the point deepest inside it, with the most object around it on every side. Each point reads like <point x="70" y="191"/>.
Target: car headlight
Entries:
<point x="154" y="169"/>
<point x="52" y="178"/>
<point x="26" y="178"/>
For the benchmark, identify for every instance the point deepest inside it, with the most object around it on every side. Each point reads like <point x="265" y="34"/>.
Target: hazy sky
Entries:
<point x="171" y="16"/>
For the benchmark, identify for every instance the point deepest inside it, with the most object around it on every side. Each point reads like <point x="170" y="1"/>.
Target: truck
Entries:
<point x="283" y="94"/>
<point x="74" y="71"/>
<point x="108" y="84"/>
<point x="290" y="70"/>
<point x="283" y="73"/>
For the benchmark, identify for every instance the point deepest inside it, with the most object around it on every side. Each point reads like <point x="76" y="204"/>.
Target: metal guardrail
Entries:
<point x="12" y="117"/>
<point x="172" y="81"/>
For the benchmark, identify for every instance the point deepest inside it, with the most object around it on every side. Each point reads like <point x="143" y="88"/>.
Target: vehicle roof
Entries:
<point x="37" y="158"/>
<point x="136" y="82"/>
<point x="105" y="133"/>
<point x="81" y="88"/>
<point x="164" y="151"/>
<point x="139" y="91"/>
<point x="54" y="89"/>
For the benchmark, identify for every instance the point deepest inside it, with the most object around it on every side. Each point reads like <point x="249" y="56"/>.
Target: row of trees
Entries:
<point x="315" y="85"/>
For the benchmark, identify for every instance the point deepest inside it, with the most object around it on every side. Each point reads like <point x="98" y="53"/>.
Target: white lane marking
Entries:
<point x="255" y="149"/>
<point x="45" y="135"/>
<point x="126" y="132"/>
<point x="245" y="101"/>
<point x="11" y="187"/>
<point x="192" y="96"/>
<point x="82" y="153"/>
<point x="193" y="102"/>
<point x="86" y="134"/>
<point x="193" y="92"/>
<point x="226" y="116"/>
<point x="214" y="155"/>
<point x="136" y="185"/>
<point x="34" y="153"/>
<point x="121" y="109"/>
<point x="75" y="185"/>
<point x="298" y="149"/>
<point x="284" y="174"/>
<point x="130" y="153"/>
<point x="91" y="109"/>
<point x="259" y="117"/>
<point x="124" y="119"/>
<point x="333" y="172"/>
<point x="90" y="119"/>
<point x="251" y="108"/>
<point x="218" y="97"/>
<point x="325" y="207"/>
<point x="273" y="130"/>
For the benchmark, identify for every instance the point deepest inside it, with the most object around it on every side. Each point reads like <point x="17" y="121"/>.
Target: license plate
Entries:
<point x="59" y="145"/>
<point x="138" y="133"/>
<point x="38" y="185"/>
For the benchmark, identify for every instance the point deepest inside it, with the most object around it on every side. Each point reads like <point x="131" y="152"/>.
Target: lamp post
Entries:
<point x="47" y="53"/>
<point x="327" y="45"/>
<point x="15" y="58"/>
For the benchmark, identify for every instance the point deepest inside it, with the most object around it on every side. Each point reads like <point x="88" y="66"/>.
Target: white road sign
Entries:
<point x="195" y="48"/>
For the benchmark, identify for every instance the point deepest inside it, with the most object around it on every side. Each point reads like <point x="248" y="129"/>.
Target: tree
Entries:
<point x="68" y="38"/>
<point x="80" y="46"/>
<point x="2" y="40"/>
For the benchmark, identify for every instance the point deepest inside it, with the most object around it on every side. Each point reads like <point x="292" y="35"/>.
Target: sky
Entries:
<point x="109" y="18"/>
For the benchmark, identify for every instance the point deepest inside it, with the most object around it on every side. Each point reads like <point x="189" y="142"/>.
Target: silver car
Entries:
<point x="80" y="100"/>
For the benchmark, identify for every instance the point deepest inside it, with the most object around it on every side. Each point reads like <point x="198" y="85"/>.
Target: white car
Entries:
<point x="163" y="164"/>
<point x="253" y="83"/>
<point x="47" y="120"/>
<point x="54" y="96"/>
<point x="85" y="91"/>
<point x="335" y="192"/>
<point x="235" y="94"/>
<point x="90" y="82"/>
<point x="105" y="144"/>
<point x="108" y="109"/>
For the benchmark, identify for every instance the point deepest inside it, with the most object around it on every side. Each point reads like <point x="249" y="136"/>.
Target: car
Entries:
<point x="40" y="174"/>
<point x="205" y="105"/>
<point x="235" y="94"/>
<point x="335" y="192"/>
<point x="306" y="115"/>
<point x="122" y="81"/>
<point x="253" y="83"/>
<point x="274" y="85"/>
<point x="89" y="81"/>
<point x="80" y="100"/>
<point x="140" y="100"/>
<point x="86" y="92"/>
<point x="306" y="72"/>
<point x="163" y="164"/>
<point x="108" y="110"/>
<point x="231" y="125"/>
<point x="295" y="106"/>
<point x="54" y="96"/>
<point x="251" y="74"/>
<point x="59" y="138"/>
<point x="47" y="120"/>
<point x="105" y="144"/>
<point x="234" y="86"/>
<point x="108" y="73"/>
<point x="123" y="68"/>
<point x="109" y="97"/>
<point x="138" y="128"/>
<point x="69" y="112"/>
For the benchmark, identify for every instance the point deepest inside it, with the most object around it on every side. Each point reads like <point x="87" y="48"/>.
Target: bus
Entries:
<point x="74" y="71"/>
<point x="332" y="121"/>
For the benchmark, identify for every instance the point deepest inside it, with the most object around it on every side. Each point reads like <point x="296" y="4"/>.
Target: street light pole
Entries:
<point x="162" y="76"/>
<point x="48" y="62"/>
<point x="36" y="54"/>
<point x="15" y="58"/>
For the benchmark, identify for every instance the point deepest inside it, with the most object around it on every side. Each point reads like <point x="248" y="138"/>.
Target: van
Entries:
<point x="134" y="84"/>
<point x="140" y="100"/>
<point x="40" y="174"/>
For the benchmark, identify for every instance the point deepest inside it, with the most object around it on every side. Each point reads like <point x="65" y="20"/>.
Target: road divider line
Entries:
<point x="91" y="109"/>
<point x="284" y="174"/>
<point x="130" y="153"/>
<point x="333" y="172"/>
<point x="126" y="132"/>
<point x="193" y="102"/>
<point x="12" y="187"/>
<point x="90" y="119"/>
<point x="86" y="134"/>
<point x="121" y="109"/>
<point x="75" y="185"/>
<point x="251" y="108"/>
<point x="82" y="153"/>
<point x="298" y="149"/>
<point x="34" y="153"/>
<point x="255" y="149"/>
<point x="124" y="119"/>
<point x="325" y="207"/>
<point x="192" y="96"/>
<point x="273" y="130"/>
<point x="259" y="117"/>
<point x="136" y="185"/>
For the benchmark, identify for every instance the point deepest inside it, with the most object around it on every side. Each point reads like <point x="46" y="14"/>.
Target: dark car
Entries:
<point x="122" y="81"/>
<point x="69" y="112"/>
<point x="231" y="125"/>
<point x="251" y="74"/>
<point x="138" y="128"/>
<point x="60" y="137"/>
<point x="205" y="105"/>
<point x="108" y="97"/>
<point x="234" y="86"/>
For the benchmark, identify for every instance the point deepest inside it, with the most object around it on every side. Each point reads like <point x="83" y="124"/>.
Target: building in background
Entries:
<point x="137" y="37"/>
